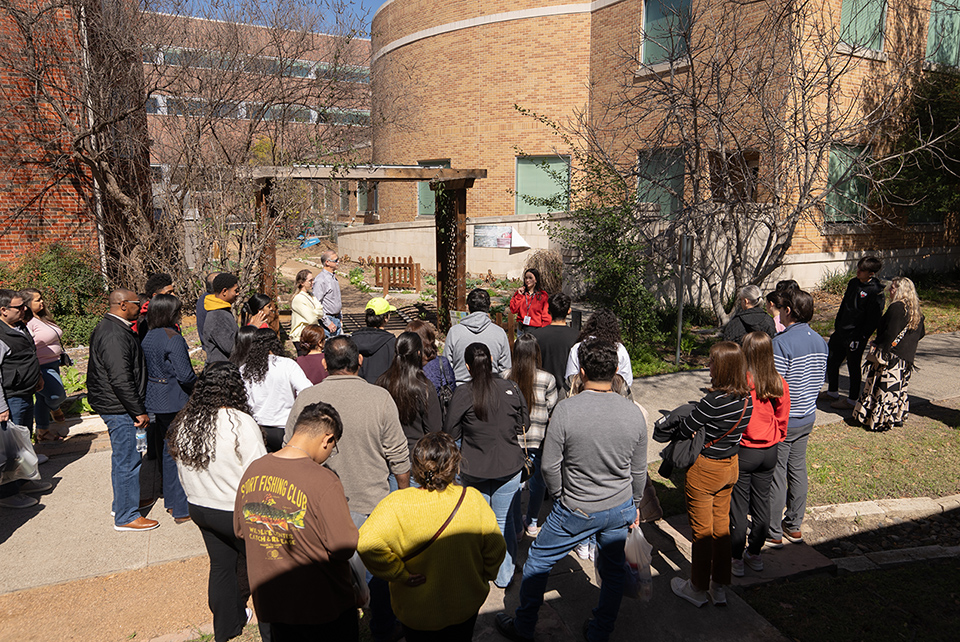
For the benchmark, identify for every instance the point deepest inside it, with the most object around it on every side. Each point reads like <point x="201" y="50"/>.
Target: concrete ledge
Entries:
<point x="915" y="508"/>
<point x="856" y="564"/>
<point x="846" y="511"/>
<point x="949" y="503"/>
<point x="885" y="559"/>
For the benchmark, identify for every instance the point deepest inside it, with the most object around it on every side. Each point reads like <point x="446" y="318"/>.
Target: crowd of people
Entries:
<point x="372" y="467"/>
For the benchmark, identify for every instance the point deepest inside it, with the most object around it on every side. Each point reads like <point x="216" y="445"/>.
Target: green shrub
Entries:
<point x="77" y="328"/>
<point x="835" y="282"/>
<point x="69" y="279"/>
<point x="73" y="380"/>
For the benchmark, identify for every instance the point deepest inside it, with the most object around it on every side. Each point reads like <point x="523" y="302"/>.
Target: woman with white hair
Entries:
<point x="751" y="317"/>
<point x="883" y="404"/>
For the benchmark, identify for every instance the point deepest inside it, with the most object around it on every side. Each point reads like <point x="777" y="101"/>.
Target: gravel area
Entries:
<point x="943" y="530"/>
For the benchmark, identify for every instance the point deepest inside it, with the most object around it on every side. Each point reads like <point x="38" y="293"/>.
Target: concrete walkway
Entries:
<point x="69" y="536"/>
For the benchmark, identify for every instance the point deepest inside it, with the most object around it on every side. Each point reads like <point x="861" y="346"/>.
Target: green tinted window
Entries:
<point x="845" y="203"/>
<point x="666" y="26"/>
<point x="862" y="23"/>
<point x="541" y="179"/>
<point x="661" y="179"/>
<point x="943" y="33"/>
<point x="426" y="197"/>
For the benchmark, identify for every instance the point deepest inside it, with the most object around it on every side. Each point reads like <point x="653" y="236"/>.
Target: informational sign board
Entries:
<point x="492" y="236"/>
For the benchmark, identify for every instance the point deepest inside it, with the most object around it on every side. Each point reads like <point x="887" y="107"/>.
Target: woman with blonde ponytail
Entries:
<point x="883" y="404"/>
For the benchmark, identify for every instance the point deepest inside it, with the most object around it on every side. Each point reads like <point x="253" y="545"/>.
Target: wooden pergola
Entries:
<point x="450" y="188"/>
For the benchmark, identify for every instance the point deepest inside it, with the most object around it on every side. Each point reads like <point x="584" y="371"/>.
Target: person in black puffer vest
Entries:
<point x="750" y="318"/>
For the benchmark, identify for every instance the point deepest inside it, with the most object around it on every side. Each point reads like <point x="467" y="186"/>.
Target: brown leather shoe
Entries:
<point x="139" y="524"/>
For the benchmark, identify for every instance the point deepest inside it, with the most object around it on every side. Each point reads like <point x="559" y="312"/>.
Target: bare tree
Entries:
<point x="118" y="85"/>
<point x="742" y="123"/>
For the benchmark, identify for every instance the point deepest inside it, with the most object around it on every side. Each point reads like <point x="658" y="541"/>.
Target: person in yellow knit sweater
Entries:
<point x="438" y="568"/>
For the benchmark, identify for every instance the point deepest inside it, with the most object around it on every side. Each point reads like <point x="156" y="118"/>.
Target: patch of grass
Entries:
<point x="849" y="464"/>
<point x="670" y="490"/>
<point x="915" y="602"/>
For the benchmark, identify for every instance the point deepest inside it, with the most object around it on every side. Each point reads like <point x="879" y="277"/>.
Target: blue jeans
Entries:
<point x="51" y="396"/>
<point x="382" y="619"/>
<point x="536" y="487"/>
<point x="125" y="468"/>
<point x="174" y="497"/>
<point x="562" y="530"/>
<point x="21" y="411"/>
<point x="337" y="321"/>
<point x="501" y="493"/>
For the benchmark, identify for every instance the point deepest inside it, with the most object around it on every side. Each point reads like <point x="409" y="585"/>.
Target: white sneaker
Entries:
<point x="684" y="589"/>
<point x="532" y="530"/>
<point x="582" y="550"/>
<point x="736" y="567"/>
<point x="753" y="561"/>
<point x="42" y="459"/>
<point x="718" y="594"/>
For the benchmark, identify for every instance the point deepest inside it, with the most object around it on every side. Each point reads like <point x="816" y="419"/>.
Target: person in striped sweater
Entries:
<point x="724" y="414"/>
<point x="800" y="356"/>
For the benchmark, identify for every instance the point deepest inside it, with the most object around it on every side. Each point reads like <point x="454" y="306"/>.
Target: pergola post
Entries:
<point x="268" y="258"/>
<point x="451" y="226"/>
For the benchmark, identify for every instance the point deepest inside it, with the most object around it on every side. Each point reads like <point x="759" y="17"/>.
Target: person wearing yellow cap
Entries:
<point x="376" y="345"/>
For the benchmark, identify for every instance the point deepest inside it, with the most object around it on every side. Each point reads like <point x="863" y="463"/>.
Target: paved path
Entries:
<point x="938" y="358"/>
<point x="69" y="536"/>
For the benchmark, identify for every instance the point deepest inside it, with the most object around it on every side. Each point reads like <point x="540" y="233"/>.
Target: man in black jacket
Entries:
<point x="19" y="380"/>
<point x="376" y="345"/>
<point x="857" y="319"/>
<point x="116" y="389"/>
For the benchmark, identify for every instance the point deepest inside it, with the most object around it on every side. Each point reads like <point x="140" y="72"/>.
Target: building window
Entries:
<point x="426" y="197"/>
<point x="660" y="180"/>
<point x="153" y="105"/>
<point x="666" y="30"/>
<point x="862" y="23"/>
<point x="542" y="184"/>
<point x="733" y="176"/>
<point x="366" y="196"/>
<point x="943" y="34"/>
<point x="846" y="202"/>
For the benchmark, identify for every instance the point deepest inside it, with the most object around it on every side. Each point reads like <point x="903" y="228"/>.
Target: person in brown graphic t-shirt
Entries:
<point x="292" y="514"/>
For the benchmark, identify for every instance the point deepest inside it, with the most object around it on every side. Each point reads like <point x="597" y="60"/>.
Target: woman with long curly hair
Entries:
<point x="416" y="399"/>
<point x="489" y="413"/>
<point x="436" y="591"/>
<point x="539" y="390"/>
<point x="436" y="367"/>
<point x="213" y="440"/>
<point x="273" y="382"/>
<point x="602" y="324"/>
<point x="884" y="404"/>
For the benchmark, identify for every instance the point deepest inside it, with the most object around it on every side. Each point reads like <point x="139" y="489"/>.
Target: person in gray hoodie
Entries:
<point x="220" y="326"/>
<point x="477" y="327"/>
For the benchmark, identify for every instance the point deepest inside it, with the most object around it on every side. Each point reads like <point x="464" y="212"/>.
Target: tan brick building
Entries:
<point x="464" y="65"/>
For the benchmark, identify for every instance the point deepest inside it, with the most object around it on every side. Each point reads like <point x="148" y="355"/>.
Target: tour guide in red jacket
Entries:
<point x="116" y="389"/>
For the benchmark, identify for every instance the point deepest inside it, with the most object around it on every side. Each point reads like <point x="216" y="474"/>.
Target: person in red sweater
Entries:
<point x="758" y="453"/>
<point x="529" y="303"/>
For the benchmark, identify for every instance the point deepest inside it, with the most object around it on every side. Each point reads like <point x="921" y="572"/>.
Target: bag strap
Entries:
<point x="523" y="426"/>
<point x="745" y="402"/>
<point x="426" y="545"/>
<point x="900" y="336"/>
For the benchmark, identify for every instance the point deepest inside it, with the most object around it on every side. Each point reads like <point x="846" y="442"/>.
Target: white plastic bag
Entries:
<point x="639" y="555"/>
<point x="20" y="460"/>
<point x="358" y="578"/>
